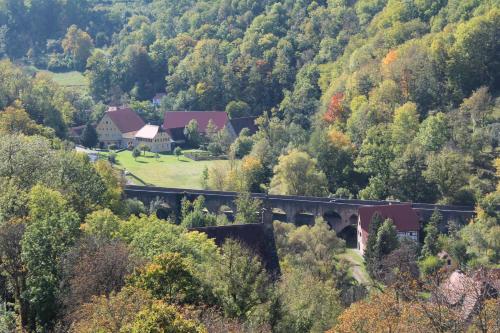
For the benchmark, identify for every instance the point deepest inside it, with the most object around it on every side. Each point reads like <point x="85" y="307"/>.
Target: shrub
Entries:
<point x="112" y="158"/>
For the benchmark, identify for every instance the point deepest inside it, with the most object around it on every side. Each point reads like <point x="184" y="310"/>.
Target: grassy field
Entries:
<point x="166" y="171"/>
<point x="68" y="79"/>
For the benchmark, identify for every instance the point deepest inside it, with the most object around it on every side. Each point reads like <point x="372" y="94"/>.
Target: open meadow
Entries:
<point x="72" y="79"/>
<point x="165" y="171"/>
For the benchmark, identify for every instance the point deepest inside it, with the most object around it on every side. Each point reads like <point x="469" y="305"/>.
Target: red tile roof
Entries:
<point x="179" y="119"/>
<point x="403" y="215"/>
<point x="125" y="119"/>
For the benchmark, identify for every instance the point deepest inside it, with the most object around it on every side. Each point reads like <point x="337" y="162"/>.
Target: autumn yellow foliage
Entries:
<point x="339" y="139"/>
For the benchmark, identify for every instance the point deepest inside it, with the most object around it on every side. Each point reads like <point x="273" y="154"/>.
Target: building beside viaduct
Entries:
<point x="340" y="214"/>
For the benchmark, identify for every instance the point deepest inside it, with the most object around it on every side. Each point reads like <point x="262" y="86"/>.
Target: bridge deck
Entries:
<point x="297" y="199"/>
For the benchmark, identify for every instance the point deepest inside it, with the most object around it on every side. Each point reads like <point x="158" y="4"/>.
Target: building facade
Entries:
<point x="153" y="137"/>
<point x="118" y="127"/>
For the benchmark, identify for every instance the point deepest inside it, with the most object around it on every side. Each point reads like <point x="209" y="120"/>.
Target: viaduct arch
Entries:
<point x="338" y="213"/>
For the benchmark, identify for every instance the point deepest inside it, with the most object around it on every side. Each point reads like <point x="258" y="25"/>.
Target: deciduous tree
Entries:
<point x="51" y="230"/>
<point x="297" y="174"/>
<point x="79" y="45"/>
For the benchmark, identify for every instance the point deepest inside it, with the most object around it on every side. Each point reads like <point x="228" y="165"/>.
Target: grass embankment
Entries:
<point x="357" y="269"/>
<point x="165" y="171"/>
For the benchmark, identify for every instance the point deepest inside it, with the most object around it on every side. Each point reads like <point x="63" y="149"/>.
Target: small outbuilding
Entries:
<point x="153" y="137"/>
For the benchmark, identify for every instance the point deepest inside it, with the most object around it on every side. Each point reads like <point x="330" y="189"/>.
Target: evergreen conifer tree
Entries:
<point x="431" y="246"/>
<point x="387" y="239"/>
<point x="89" y="136"/>
<point x="371" y="257"/>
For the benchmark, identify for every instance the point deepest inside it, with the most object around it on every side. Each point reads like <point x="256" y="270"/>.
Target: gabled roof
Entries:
<point x="179" y="119"/>
<point x="125" y="119"/>
<point x="244" y="122"/>
<point x="148" y="132"/>
<point x="403" y="215"/>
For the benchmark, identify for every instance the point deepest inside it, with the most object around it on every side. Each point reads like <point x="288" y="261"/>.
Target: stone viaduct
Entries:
<point x="339" y="213"/>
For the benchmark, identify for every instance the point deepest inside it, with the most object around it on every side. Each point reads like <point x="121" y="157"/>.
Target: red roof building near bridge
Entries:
<point x="403" y="215"/>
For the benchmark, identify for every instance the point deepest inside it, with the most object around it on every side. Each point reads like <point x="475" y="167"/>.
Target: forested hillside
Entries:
<point x="369" y="99"/>
<point x="382" y="94"/>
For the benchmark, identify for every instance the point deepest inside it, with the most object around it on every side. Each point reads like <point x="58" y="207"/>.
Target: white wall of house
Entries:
<point x="160" y="143"/>
<point x="108" y="133"/>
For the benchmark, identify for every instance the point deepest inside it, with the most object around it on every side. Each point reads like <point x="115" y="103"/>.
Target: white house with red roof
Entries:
<point x="154" y="137"/>
<point x="124" y="128"/>
<point x="403" y="215"/>
<point x="118" y="126"/>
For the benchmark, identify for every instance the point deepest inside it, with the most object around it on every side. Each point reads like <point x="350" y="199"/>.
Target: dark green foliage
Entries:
<point x="177" y="152"/>
<point x="243" y="144"/>
<point x="431" y="245"/>
<point x="53" y="228"/>
<point x="193" y="136"/>
<point x="240" y="281"/>
<point x="458" y="250"/>
<point x="372" y="257"/>
<point x="133" y="207"/>
<point x="136" y="152"/>
<point x="381" y="243"/>
<point x="238" y="109"/>
<point x="193" y="214"/>
<point x="168" y="277"/>
<point x="248" y="210"/>
<point x="89" y="136"/>
<point x="387" y="238"/>
<point x="299" y="105"/>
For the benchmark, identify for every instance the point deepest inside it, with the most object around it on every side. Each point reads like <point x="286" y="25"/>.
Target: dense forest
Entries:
<point x="370" y="99"/>
<point x="381" y="95"/>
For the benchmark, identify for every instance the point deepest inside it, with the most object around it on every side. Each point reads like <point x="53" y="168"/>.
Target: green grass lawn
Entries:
<point x="167" y="171"/>
<point x="67" y="79"/>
